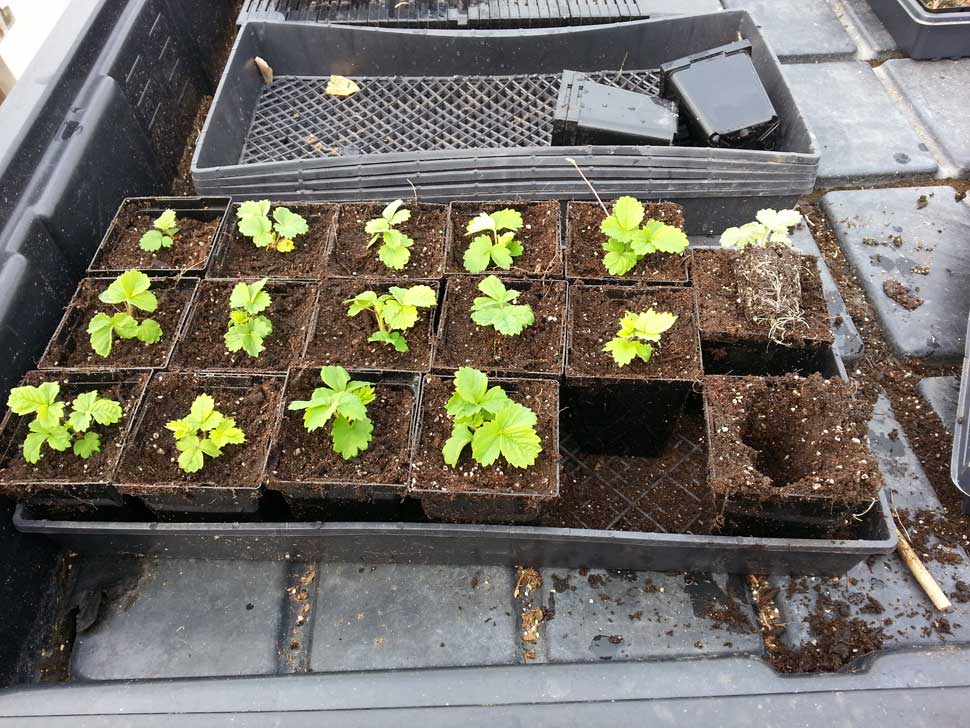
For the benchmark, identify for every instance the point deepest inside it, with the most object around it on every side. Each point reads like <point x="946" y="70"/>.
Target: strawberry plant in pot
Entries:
<point x="511" y="326"/>
<point x="629" y="345"/>
<point x="275" y="239"/>
<point x="370" y="324"/>
<point x="403" y="239"/>
<point x="507" y="238"/>
<point x="761" y="306"/>
<point x="61" y="439"/>
<point x="344" y="438"/>
<point x="246" y="326"/>
<point x="487" y="451"/>
<point x="627" y="241"/>
<point x="160" y="235"/>
<point x="131" y="321"/>
<point x="790" y="451"/>
<point x="199" y="442"/>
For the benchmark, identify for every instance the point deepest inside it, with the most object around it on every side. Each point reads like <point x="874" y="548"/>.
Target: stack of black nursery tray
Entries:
<point x="695" y="460"/>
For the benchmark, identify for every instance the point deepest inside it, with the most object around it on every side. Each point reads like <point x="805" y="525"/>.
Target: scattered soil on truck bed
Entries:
<point x="897" y="375"/>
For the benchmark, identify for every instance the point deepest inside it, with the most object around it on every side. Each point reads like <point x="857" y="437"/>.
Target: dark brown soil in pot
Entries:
<point x="202" y="345"/>
<point x="790" y="444"/>
<point x="340" y="339"/>
<point x="594" y="319"/>
<point x="350" y="255"/>
<point x="190" y="249"/>
<point x="430" y="474"/>
<point x="538" y="349"/>
<point x="71" y="345"/>
<point x="150" y="457"/>
<point x="66" y="467"/>
<point x="584" y="245"/>
<point x="303" y="457"/>
<point x="540" y="237"/>
<point x="236" y="256"/>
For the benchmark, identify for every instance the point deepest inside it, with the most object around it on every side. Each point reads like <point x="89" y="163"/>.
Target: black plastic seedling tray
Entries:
<point x="280" y="139"/>
<point x="439" y="543"/>
<point x="960" y="458"/>
<point x="925" y="34"/>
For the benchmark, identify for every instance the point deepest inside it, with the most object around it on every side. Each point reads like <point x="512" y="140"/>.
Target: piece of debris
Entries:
<point x="532" y="619"/>
<point x="901" y="294"/>
<point x="265" y="70"/>
<point x="341" y="86"/>
<point x="921" y="270"/>
<point x="528" y="581"/>
<point x="921" y="202"/>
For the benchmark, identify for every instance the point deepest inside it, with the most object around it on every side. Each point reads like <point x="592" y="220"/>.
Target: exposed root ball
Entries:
<point x="770" y="289"/>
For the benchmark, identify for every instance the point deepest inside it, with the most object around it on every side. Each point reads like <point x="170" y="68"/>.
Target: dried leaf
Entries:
<point x="341" y="86"/>
<point x="265" y="70"/>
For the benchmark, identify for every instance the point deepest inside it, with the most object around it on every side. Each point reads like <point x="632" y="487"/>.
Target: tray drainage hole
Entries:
<point x="778" y="450"/>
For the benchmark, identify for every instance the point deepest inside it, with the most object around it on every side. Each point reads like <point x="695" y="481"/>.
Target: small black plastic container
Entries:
<point x="923" y="33"/>
<point x="723" y="97"/>
<point x="594" y="113"/>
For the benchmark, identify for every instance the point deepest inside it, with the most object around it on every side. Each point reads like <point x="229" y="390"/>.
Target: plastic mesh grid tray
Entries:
<point x="637" y="494"/>
<point x="295" y="119"/>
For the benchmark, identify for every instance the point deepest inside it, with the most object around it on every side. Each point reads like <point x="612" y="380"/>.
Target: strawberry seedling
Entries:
<point x="770" y="227"/>
<point x="628" y="243"/>
<point x="491" y="246"/>
<point x="163" y="234"/>
<point x="638" y="332"/>
<point x="490" y="422"/>
<point x="49" y="427"/>
<point x="395" y="311"/>
<point x="345" y="402"/>
<point x="497" y="308"/>
<point x="247" y="329"/>
<point x="395" y="250"/>
<point x="276" y="234"/>
<point x="204" y="432"/>
<point x="132" y="290"/>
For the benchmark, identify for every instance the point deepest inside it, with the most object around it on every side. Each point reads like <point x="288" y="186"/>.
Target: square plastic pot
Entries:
<point x="285" y="344"/>
<point x="594" y="113"/>
<point x="772" y="489"/>
<point x="342" y="262"/>
<point x="306" y="262"/>
<point x="925" y="34"/>
<point x="480" y="504"/>
<point x="71" y="334"/>
<point x="175" y="493"/>
<point x="202" y="209"/>
<point x="354" y="350"/>
<point x="353" y="495"/>
<point x="545" y="330"/>
<point x="723" y="98"/>
<point x="549" y="264"/>
<point x="91" y="489"/>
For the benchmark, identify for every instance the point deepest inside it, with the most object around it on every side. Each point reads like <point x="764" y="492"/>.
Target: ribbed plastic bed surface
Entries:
<point x="296" y="119"/>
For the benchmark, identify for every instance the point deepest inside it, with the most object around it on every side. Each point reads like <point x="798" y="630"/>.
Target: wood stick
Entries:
<point x="924" y="577"/>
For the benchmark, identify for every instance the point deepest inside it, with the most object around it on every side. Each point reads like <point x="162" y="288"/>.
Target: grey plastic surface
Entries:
<point x="859" y="143"/>
<point x="870" y="28"/>
<point x="295" y="49"/>
<point x="930" y="261"/>
<point x="799" y="32"/>
<point x="941" y="394"/>
<point x="937" y="94"/>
